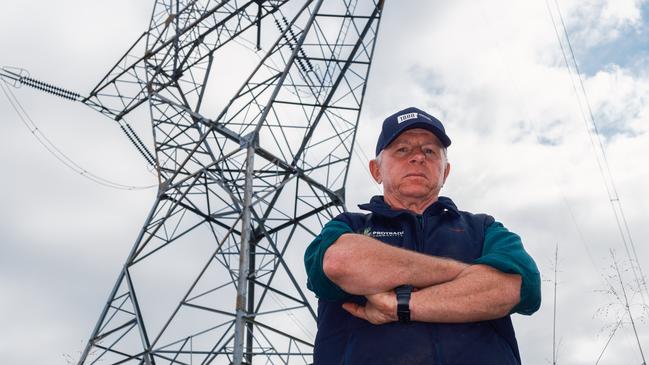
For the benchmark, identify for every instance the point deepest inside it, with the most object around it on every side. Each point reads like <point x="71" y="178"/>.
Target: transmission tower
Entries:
<point x="243" y="188"/>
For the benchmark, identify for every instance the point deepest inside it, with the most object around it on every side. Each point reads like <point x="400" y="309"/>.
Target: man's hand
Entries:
<point x="380" y="308"/>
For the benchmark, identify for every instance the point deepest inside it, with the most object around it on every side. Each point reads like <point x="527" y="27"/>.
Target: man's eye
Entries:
<point x="403" y="149"/>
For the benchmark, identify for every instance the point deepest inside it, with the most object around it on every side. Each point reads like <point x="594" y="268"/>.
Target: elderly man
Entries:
<point x="417" y="281"/>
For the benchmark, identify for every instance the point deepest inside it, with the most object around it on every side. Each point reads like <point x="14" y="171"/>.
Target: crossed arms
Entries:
<point x="448" y="290"/>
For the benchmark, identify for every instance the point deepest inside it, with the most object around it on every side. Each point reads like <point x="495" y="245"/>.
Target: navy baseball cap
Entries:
<point x="409" y="118"/>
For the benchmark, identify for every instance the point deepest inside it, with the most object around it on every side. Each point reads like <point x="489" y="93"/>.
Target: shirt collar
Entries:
<point x="378" y="205"/>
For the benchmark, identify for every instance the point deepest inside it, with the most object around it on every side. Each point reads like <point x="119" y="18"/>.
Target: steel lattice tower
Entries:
<point x="243" y="189"/>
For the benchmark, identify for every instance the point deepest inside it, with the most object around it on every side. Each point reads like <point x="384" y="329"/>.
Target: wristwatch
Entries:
<point x="403" y="302"/>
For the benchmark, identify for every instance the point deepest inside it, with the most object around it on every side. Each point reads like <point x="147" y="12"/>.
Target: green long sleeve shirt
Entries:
<point x="502" y="250"/>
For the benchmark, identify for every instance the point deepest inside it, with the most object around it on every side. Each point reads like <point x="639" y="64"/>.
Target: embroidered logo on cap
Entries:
<point x="404" y="117"/>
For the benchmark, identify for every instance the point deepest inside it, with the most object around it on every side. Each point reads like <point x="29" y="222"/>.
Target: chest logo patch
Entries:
<point x="385" y="234"/>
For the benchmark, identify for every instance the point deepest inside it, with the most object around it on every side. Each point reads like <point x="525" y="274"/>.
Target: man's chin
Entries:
<point x="417" y="193"/>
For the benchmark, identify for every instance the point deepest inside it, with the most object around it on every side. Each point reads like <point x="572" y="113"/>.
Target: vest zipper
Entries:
<point x="419" y="245"/>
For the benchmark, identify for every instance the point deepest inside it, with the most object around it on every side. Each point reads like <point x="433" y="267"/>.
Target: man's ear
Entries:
<point x="375" y="171"/>
<point x="447" y="170"/>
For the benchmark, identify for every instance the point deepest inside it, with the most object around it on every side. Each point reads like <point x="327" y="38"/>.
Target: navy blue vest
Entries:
<point x="441" y="230"/>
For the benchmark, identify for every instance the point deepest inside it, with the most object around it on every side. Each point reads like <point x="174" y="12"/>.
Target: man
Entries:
<point x="417" y="281"/>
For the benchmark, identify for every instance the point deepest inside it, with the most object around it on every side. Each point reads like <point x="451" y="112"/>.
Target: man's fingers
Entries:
<point x="355" y="310"/>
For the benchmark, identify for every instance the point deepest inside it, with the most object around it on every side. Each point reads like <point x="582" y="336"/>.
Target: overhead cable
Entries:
<point x="17" y="77"/>
<point x="56" y="152"/>
<point x="599" y="150"/>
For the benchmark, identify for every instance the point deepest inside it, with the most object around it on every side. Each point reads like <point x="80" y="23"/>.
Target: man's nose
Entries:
<point x="417" y="155"/>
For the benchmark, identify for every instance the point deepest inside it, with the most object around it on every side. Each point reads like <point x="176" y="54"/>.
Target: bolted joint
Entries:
<point x="250" y="139"/>
<point x="256" y="235"/>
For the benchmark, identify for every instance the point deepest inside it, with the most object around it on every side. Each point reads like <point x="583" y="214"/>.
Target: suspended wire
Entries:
<point x="613" y="198"/>
<point x="581" y="237"/>
<point x="611" y="189"/>
<point x="570" y="211"/>
<point x="55" y="151"/>
<point x="583" y="241"/>
<point x="598" y="146"/>
<point x="580" y="234"/>
<point x="18" y="77"/>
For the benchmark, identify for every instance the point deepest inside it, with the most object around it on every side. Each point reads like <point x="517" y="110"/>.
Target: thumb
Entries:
<point x="355" y="310"/>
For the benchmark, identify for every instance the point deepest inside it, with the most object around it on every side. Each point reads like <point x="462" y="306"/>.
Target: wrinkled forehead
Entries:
<point x="417" y="136"/>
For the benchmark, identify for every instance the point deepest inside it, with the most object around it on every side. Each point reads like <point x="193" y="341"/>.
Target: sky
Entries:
<point x="492" y="71"/>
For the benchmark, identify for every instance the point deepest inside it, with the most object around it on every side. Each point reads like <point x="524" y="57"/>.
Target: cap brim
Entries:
<point x="441" y="136"/>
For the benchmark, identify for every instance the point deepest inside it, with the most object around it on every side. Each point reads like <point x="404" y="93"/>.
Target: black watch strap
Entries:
<point x="403" y="302"/>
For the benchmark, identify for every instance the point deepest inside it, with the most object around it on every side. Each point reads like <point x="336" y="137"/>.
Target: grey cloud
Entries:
<point x="492" y="72"/>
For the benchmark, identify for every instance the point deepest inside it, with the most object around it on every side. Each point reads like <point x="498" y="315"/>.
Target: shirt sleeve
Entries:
<point x="317" y="281"/>
<point x="504" y="251"/>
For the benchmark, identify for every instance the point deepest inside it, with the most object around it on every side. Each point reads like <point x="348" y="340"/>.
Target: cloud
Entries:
<point x="492" y="71"/>
<point x="601" y="21"/>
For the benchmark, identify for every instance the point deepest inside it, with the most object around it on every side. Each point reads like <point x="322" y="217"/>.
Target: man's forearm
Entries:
<point x="479" y="293"/>
<point x="362" y="265"/>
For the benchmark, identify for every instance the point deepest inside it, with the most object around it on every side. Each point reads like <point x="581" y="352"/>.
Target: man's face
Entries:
<point x="413" y="166"/>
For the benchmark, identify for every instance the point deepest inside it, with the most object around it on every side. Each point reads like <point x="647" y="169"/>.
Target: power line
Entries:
<point x="598" y="146"/>
<point x="564" y="198"/>
<point x="18" y="76"/>
<point x="55" y="151"/>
